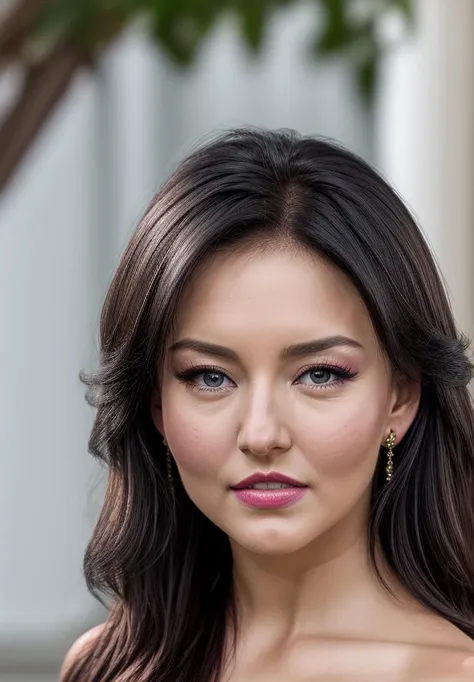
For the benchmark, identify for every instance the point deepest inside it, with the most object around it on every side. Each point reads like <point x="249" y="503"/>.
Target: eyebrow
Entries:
<point x="295" y="351"/>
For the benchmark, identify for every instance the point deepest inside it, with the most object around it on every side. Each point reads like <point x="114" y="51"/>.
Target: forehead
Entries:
<point x="284" y="291"/>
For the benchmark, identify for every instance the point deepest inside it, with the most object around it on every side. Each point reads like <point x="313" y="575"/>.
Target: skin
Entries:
<point x="309" y="605"/>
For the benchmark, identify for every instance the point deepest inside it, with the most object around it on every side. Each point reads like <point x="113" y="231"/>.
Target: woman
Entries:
<point x="282" y="404"/>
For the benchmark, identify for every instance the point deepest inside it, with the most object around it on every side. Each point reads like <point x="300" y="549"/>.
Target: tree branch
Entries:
<point x="17" y="27"/>
<point x="46" y="82"/>
<point x="44" y="86"/>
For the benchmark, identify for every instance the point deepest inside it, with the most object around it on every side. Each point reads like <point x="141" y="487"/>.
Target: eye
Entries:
<point x="320" y="375"/>
<point x="213" y="379"/>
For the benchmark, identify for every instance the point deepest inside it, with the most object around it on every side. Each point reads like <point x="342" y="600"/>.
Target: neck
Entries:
<point x="322" y="589"/>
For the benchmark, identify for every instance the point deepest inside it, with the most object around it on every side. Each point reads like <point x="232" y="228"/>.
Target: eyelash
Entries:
<point x="188" y="375"/>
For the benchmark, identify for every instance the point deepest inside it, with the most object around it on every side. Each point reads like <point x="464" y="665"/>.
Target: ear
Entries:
<point x="405" y="402"/>
<point x="156" y="411"/>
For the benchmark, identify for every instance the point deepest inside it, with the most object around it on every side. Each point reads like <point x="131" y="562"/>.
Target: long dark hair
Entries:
<point x="165" y="569"/>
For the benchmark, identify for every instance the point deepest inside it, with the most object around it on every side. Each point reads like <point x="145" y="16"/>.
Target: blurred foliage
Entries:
<point x="349" y="27"/>
<point x="53" y="39"/>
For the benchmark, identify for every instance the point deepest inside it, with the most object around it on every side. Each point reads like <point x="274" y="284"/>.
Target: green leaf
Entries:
<point x="180" y="26"/>
<point x="72" y="18"/>
<point x="253" y="18"/>
<point x="366" y="75"/>
<point x="128" y="6"/>
<point x="337" y="32"/>
<point x="56" y="19"/>
<point x="406" y="7"/>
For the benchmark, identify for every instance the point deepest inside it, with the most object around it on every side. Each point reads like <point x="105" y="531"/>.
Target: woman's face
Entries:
<point x="318" y="416"/>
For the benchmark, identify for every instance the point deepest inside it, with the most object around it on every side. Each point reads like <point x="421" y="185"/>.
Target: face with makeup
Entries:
<point x="293" y="381"/>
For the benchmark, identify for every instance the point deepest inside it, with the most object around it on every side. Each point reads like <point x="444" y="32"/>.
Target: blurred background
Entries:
<point x="99" y="101"/>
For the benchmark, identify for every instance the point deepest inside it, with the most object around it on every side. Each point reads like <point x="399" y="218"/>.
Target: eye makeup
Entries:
<point x="341" y="372"/>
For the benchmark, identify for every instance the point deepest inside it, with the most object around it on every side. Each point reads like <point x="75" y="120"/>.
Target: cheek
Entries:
<point x="199" y="446"/>
<point x="348" y="443"/>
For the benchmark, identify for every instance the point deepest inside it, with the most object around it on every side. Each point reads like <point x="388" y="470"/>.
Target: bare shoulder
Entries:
<point x="446" y="655"/>
<point x="467" y="669"/>
<point x="76" y="649"/>
<point x="443" y="664"/>
<point x="435" y="649"/>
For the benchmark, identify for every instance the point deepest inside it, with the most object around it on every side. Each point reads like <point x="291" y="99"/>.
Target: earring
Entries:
<point x="389" y="443"/>
<point x="168" y="465"/>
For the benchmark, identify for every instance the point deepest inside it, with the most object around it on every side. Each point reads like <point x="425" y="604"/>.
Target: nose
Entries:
<point x="263" y="432"/>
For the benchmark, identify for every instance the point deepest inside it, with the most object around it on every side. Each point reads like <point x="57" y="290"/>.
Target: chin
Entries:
<point x="272" y="539"/>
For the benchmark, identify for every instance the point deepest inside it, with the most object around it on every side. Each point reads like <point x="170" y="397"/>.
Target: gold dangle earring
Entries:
<point x="168" y="465"/>
<point x="389" y="443"/>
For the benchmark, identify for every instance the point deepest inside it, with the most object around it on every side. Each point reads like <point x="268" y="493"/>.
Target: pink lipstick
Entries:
<point x="269" y="491"/>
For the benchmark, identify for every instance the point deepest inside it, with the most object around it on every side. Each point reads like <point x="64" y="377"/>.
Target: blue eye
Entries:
<point x="214" y="377"/>
<point x="318" y="375"/>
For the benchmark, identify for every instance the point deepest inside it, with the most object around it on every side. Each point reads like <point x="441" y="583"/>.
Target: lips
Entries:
<point x="272" y="477"/>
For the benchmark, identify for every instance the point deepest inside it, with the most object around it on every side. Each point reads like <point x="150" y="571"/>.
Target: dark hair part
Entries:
<point x="167" y="568"/>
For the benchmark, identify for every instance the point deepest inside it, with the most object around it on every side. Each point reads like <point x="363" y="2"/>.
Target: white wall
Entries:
<point x="49" y="306"/>
<point x="425" y="138"/>
<point x="63" y="224"/>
